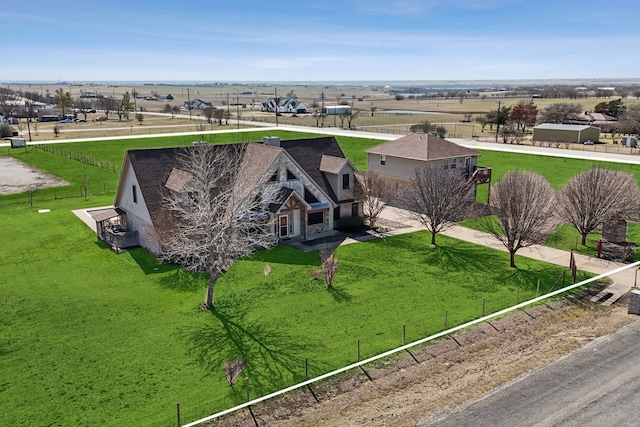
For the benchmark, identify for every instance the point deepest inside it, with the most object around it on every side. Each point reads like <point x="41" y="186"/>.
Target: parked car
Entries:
<point x="589" y="142"/>
<point x="81" y="121"/>
<point x="66" y="121"/>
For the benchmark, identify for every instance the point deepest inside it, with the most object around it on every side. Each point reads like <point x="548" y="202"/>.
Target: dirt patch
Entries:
<point x="443" y="375"/>
<point x="17" y="177"/>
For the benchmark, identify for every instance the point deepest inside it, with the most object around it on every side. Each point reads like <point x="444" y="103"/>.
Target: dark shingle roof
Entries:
<point x="308" y="154"/>
<point x="152" y="168"/>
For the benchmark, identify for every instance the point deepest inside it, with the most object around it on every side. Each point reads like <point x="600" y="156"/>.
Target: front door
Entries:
<point x="284" y="226"/>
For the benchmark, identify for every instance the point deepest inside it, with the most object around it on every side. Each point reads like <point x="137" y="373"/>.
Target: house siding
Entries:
<point x="138" y="218"/>
<point x="401" y="170"/>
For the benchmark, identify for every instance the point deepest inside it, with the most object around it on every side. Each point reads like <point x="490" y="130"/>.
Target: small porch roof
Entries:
<point x="108" y="214"/>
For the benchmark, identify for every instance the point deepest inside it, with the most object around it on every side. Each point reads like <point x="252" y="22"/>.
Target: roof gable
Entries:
<point x="331" y="164"/>
<point x="308" y="153"/>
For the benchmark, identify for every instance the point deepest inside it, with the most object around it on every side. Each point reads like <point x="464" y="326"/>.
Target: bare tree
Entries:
<point x="107" y="105"/>
<point x="31" y="190"/>
<point x="218" y="218"/>
<point x="629" y="122"/>
<point x="437" y="197"/>
<point x="560" y="113"/>
<point x="523" y="202"/>
<point x="208" y="113"/>
<point x="329" y="265"/>
<point x="374" y="193"/>
<point x="83" y="105"/>
<point x="169" y="109"/>
<point x="592" y="195"/>
<point x="219" y="114"/>
<point x="8" y="104"/>
<point x="423" y="127"/>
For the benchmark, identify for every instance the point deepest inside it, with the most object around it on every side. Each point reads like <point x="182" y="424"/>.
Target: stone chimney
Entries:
<point x="273" y="141"/>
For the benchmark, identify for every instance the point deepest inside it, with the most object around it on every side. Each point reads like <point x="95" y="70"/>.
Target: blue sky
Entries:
<point x="242" y="40"/>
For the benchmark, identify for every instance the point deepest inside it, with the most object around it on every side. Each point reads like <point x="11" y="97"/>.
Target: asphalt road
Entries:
<point x="598" y="385"/>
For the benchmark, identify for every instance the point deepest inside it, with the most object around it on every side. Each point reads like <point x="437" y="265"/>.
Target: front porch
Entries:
<point x="111" y="228"/>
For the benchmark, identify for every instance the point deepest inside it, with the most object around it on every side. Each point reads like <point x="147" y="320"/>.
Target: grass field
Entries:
<point x="90" y="337"/>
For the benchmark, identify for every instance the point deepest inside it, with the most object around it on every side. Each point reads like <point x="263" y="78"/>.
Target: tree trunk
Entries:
<point x="209" y="298"/>
<point x="512" y="259"/>
<point x="584" y="239"/>
<point x="433" y="238"/>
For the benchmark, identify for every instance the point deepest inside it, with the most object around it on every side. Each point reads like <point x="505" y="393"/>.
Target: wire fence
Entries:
<point x="447" y="330"/>
<point x="82" y="158"/>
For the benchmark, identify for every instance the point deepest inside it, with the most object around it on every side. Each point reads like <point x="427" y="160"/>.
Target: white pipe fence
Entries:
<point x="410" y="345"/>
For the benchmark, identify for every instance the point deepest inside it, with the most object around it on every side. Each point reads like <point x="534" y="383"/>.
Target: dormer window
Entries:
<point x="346" y="181"/>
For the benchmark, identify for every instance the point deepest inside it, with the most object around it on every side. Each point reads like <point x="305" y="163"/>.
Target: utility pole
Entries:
<point x="238" y="110"/>
<point x="498" y="122"/>
<point x="189" y="103"/>
<point x="277" y="102"/>
<point x="322" y="108"/>
<point x="29" y="106"/>
<point x="228" y="112"/>
<point x="135" y="104"/>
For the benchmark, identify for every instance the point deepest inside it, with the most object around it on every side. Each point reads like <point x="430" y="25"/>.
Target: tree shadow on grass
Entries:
<point x="528" y="279"/>
<point x="286" y="255"/>
<point x="148" y="263"/>
<point x="339" y="295"/>
<point x="274" y="357"/>
<point x="181" y="281"/>
<point x="451" y="258"/>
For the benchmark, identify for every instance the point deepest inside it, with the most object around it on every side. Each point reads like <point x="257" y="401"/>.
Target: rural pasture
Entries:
<point x="93" y="337"/>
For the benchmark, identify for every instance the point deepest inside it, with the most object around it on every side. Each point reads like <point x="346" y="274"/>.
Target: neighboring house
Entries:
<point x="315" y="178"/>
<point x="197" y="104"/>
<point x="286" y="105"/>
<point x="50" y="115"/>
<point x="397" y="160"/>
<point x="605" y="122"/>
<point x="552" y="132"/>
<point x="336" y="110"/>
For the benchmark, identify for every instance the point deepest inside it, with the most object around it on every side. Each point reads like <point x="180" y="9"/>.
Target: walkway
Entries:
<point x="622" y="282"/>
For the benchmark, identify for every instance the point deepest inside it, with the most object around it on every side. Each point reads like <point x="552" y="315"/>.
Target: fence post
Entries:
<point x="446" y="315"/>
<point x="247" y="386"/>
<point x="306" y="368"/>
<point x="484" y="300"/>
<point x="178" y="408"/>
<point x="404" y="334"/>
<point x="538" y="289"/>
<point x="517" y="295"/>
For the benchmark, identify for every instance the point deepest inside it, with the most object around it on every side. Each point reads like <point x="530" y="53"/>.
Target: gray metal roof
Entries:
<point x="555" y="126"/>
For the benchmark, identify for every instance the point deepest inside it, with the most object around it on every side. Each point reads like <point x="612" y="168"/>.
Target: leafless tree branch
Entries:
<point x="591" y="196"/>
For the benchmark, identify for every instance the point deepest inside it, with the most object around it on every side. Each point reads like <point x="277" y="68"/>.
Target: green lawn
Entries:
<point x="101" y="338"/>
<point x="557" y="170"/>
<point x="90" y="337"/>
